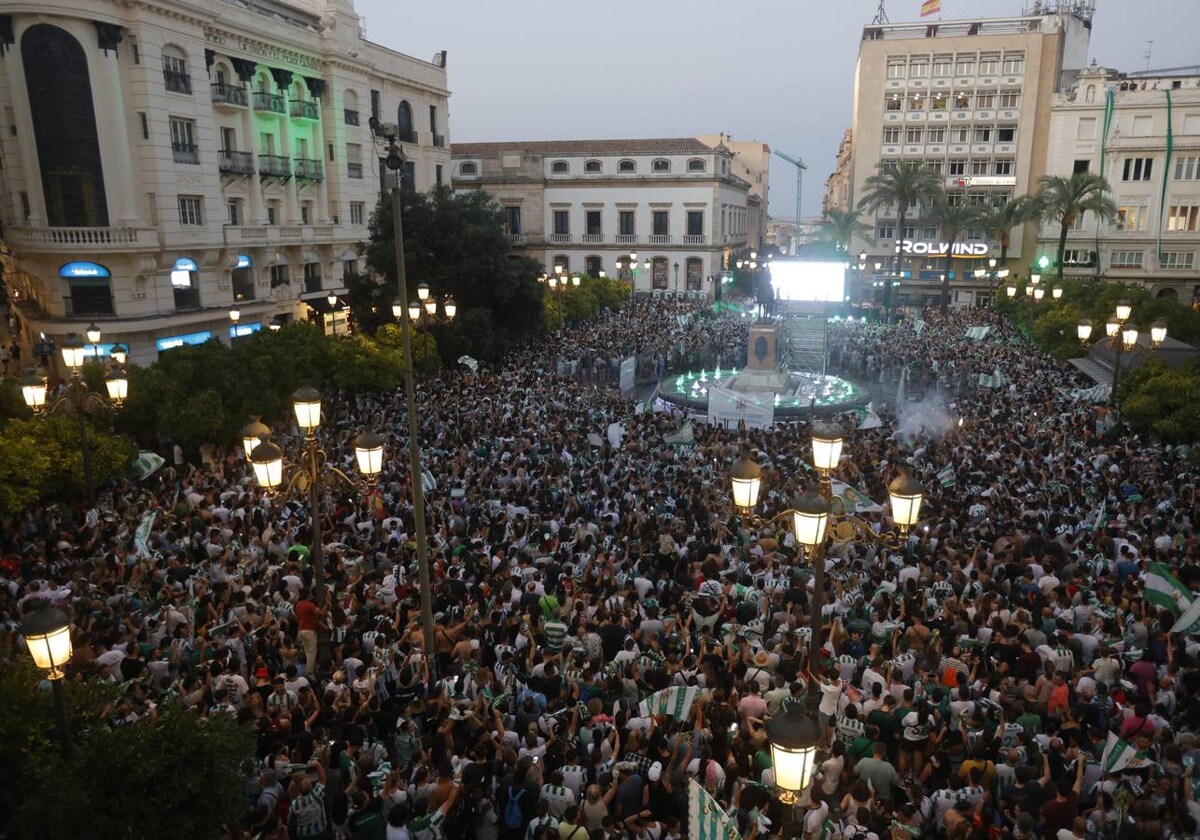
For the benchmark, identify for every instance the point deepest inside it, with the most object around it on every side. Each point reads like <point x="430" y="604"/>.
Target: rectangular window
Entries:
<point x="985" y="100"/>
<point x="1014" y="65"/>
<point x="306" y="213"/>
<point x="988" y="65"/>
<point x="375" y="104"/>
<point x="312" y="277"/>
<point x="929" y="233"/>
<point x="357" y="212"/>
<point x="1081" y="166"/>
<point x="1132" y="217"/>
<point x="936" y="135"/>
<point x="983" y="135"/>
<point x="885" y="231"/>
<point x="433" y="123"/>
<point x="1006" y="134"/>
<point x="960" y="135"/>
<point x="1010" y="99"/>
<point x="938" y="102"/>
<point x="349" y="268"/>
<point x="660" y="221"/>
<point x="910" y="231"/>
<point x="1137" y="169"/>
<point x="962" y="102"/>
<point x="957" y="167"/>
<point x="183" y="148"/>
<point x="891" y="136"/>
<point x="189" y="210"/>
<point x="1187" y="168"/>
<point x="1142" y="126"/>
<point x="273" y="209"/>
<point x="936" y="166"/>
<point x="965" y="66"/>
<point x="916" y="103"/>
<point x="1183" y="218"/>
<point x="1127" y="259"/>
<point x="941" y="66"/>
<point x="625" y="223"/>
<point x="979" y="167"/>
<point x="235" y="211"/>
<point x="279" y="275"/>
<point x="695" y="223"/>
<point x="408" y="175"/>
<point x="437" y="174"/>
<point x="1177" y="260"/>
<point x="896" y="69"/>
<point x="145" y="125"/>
<point x="25" y="211"/>
<point x="1085" y="129"/>
<point x="512" y="220"/>
<point x="1079" y="256"/>
<point x="1002" y="167"/>
<point x="893" y="103"/>
<point x="591" y="220"/>
<point x="918" y="68"/>
<point x="562" y="222"/>
<point x="913" y="135"/>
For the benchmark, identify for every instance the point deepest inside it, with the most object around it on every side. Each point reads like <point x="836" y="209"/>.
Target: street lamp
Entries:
<point x="235" y="315"/>
<point x="1039" y="293"/>
<point x="78" y="397"/>
<point x="1121" y="337"/>
<point x="119" y="354"/>
<point x="254" y="433"/>
<point x="1057" y="291"/>
<point x="314" y="470"/>
<point x="47" y="634"/>
<point x="905" y="494"/>
<point x="1011" y="290"/>
<point x="746" y="479"/>
<point x="793" y="737"/>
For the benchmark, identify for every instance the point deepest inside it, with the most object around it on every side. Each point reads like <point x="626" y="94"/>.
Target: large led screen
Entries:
<point x="809" y="280"/>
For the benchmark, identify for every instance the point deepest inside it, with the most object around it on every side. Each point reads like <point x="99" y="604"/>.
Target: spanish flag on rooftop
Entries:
<point x="931" y="7"/>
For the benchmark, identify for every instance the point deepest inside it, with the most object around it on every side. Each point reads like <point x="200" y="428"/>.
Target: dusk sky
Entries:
<point x="779" y="72"/>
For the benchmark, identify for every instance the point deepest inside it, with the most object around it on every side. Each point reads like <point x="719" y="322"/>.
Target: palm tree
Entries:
<point x="1000" y="221"/>
<point x="953" y="220"/>
<point x="906" y="185"/>
<point x="1064" y="199"/>
<point x="839" y="227"/>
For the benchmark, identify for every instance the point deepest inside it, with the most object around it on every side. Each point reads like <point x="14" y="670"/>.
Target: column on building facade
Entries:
<point x="18" y="93"/>
<point x="113" y="130"/>
<point x="255" y="211"/>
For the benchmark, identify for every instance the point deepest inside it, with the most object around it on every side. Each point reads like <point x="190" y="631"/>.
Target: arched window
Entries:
<point x="175" y="72"/>
<point x="64" y="127"/>
<point x="1168" y="294"/>
<point x="661" y="165"/>
<point x="350" y="107"/>
<point x="404" y="123"/>
<point x="564" y="261"/>
<point x="660" y="277"/>
<point x="592" y="166"/>
<point x="468" y="168"/>
<point x="560" y="167"/>
<point x="695" y="273"/>
<point x="627" y="166"/>
<point x="592" y="266"/>
<point x="696" y="165"/>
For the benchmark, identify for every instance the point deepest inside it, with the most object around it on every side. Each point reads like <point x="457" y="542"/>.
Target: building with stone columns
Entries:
<point x="166" y="161"/>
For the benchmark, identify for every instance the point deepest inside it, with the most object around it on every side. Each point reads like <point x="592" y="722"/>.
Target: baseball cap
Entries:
<point x="655" y="771"/>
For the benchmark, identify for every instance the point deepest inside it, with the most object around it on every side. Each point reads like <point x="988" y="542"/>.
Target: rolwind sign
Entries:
<point x="939" y="249"/>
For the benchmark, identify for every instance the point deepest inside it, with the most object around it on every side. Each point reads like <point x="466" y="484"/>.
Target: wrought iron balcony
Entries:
<point x="223" y="94"/>
<point x="235" y="163"/>
<point x="306" y="110"/>
<point x="309" y="169"/>
<point x="272" y="102"/>
<point x="276" y="166"/>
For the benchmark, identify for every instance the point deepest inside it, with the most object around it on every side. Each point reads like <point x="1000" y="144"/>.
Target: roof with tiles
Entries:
<point x="668" y="145"/>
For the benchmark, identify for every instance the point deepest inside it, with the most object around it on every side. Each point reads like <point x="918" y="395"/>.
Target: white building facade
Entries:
<point x="969" y="99"/>
<point x="165" y="162"/>
<point x="1118" y="126"/>
<point x="587" y="204"/>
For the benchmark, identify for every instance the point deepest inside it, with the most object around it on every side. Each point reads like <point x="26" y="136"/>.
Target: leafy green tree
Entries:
<point x="1163" y="401"/>
<point x="952" y="220"/>
<point x="1063" y="199"/>
<point x="839" y="227"/>
<point x="370" y="301"/>
<point x="908" y="186"/>
<point x="175" y="777"/>
<point x="455" y="243"/>
<point x="1000" y="222"/>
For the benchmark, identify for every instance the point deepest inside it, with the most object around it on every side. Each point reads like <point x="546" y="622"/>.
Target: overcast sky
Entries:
<point x="779" y="71"/>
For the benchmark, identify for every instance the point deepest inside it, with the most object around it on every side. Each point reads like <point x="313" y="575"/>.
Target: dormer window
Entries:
<point x="560" y="167"/>
<point x="696" y="165"/>
<point x="468" y="168"/>
<point x="627" y="166"/>
<point x="661" y="165"/>
<point x="592" y="167"/>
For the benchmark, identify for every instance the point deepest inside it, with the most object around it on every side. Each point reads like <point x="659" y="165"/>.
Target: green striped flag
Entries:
<point x="675" y="701"/>
<point x="1189" y="622"/>
<point x="1120" y="755"/>
<point x="1165" y="590"/>
<point x="946" y="476"/>
<point x="707" y="820"/>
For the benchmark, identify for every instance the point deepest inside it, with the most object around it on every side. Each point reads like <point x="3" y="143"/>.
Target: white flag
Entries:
<point x="676" y="701"/>
<point x="707" y="820"/>
<point x="1120" y="755"/>
<point x="141" y="537"/>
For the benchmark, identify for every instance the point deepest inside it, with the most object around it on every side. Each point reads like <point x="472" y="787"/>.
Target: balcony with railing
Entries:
<point x="309" y="169"/>
<point x="407" y="135"/>
<point x="593" y="239"/>
<point x="439" y="140"/>
<point x="232" y="95"/>
<point x="516" y="238"/>
<point x="560" y="239"/>
<point x="231" y="162"/>
<point x="306" y="110"/>
<point x="695" y="239"/>
<point x="185" y="153"/>
<point x="97" y="239"/>
<point x="354" y="170"/>
<point x="626" y="238"/>
<point x="275" y="166"/>
<point x="272" y="102"/>
<point x="177" y="82"/>
<point x="660" y="239"/>
<point x="350" y="116"/>
<point x="88" y="300"/>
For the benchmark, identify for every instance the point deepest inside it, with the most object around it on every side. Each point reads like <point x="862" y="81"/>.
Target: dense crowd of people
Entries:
<point x="973" y="675"/>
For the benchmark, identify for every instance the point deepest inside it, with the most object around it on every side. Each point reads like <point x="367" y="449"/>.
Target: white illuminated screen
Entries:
<point x="809" y="280"/>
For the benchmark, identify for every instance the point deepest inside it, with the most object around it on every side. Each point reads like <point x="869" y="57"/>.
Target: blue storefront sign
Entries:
<point x="244" y="261"/>
<point x="171" y="342"/>
<point x="243" y="330"/>
<point x="74" y="270"/>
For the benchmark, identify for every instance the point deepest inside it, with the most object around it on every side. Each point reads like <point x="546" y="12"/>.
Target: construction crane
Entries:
<point x="800" y="167"/>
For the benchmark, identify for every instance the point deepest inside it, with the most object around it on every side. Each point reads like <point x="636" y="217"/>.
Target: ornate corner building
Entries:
<point x="164" y="162"/>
